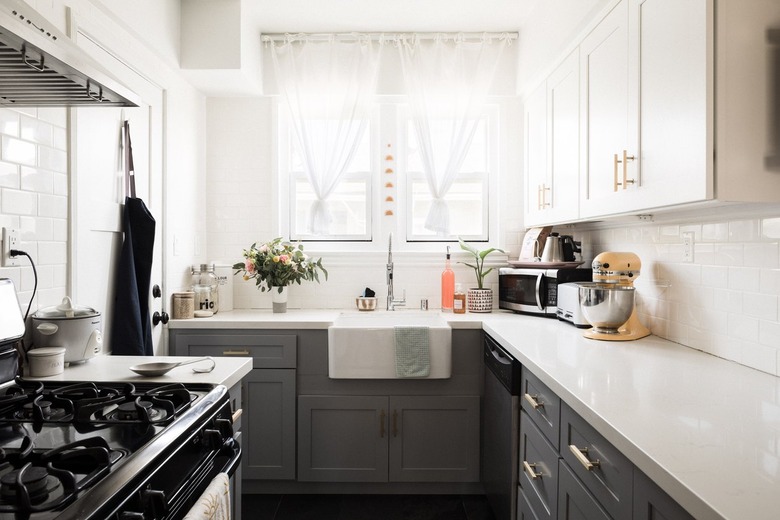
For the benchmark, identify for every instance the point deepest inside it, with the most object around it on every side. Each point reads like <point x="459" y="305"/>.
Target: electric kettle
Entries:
<point x="553" y="249"/>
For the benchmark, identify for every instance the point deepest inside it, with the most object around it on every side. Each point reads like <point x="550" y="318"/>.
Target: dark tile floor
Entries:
<point x="365" y="507"/>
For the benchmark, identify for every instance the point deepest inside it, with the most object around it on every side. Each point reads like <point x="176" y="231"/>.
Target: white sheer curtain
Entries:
<point x="327" y="85"/>
<point x="447" y="80"/>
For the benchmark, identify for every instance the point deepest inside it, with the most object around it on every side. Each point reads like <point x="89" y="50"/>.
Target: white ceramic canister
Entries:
<point x="46" y="361"/>
<point x="224" y="272"/>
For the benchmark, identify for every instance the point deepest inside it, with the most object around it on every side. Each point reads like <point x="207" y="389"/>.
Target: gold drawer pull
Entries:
<point x="533" y="401"/>
<point x="531" y="470"/>
<point x="582" y="457"/>
<point x="237" y="414"/>
<point x="244" y="352"/>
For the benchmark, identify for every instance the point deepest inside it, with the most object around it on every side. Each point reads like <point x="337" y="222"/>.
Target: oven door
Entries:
<point x="524" y="291"/>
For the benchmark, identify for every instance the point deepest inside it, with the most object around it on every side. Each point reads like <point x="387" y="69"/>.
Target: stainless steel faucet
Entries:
<point x="392" y="302"/>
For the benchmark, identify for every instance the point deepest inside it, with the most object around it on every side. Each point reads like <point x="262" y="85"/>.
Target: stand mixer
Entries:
<point x="613" y="278"/>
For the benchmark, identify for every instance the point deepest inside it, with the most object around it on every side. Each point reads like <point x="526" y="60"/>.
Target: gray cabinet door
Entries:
<point x="652" y="503"/>
<point x="342" y="438"/>
<point x="434" y="438"/>
<point x="574" y="501"/>
<point x="269" y="425"/>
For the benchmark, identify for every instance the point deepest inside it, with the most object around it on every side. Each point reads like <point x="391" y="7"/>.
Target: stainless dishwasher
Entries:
<point x="500" y="429"/>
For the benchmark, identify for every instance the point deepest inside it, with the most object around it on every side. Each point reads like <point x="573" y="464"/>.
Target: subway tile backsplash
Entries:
<point x="34" y="198"/>
<point x="726" y="302"/>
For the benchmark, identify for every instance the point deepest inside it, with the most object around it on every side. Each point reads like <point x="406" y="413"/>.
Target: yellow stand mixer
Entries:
<point x="611" y="297"/>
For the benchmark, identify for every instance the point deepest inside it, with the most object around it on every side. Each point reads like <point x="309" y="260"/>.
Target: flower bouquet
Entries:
<point x="277" y="264"/>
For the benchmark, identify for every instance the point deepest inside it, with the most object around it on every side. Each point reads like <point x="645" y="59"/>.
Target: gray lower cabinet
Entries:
<point x="568" y="471"/>
<point x="269" y="452"/>
<point x="345" y="438"/>
<point x="268" y="421"/>
<point x="652" y="503"/>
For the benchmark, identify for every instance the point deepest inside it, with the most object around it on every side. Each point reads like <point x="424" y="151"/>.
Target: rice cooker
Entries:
<point x="77" y="329"/>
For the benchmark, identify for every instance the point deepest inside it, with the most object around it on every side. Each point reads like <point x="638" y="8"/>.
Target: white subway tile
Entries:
<point x="746" y="279"/>
<point x="50" y="253"/>
<point x="18" y="202"/>
<point x="759" y="356"/>
<point x="744" y="230"/>
<point x="769" y="333"/>
<point x="9" y="175"/>
<point x="36" y="131"/>
<point x="53" y="206"/>
<point x="59" y="229"/>
<point x="35" y="179"/>
<point x="9" y="122"/>
<point x="770" y="228"/>
<point x="715" y="232"/>
<point x="729" y="254"/>
<point x="727" y="300"/>
<point x="60" y="183"/>
<point x="34" y="229"/>
<point x="713" y="276"/>
<point x="56" y="116"/>
<point x="52" y="159"/>
<point x="18" y="151"/>
<point x="743" y="327"/>
<point x="762" y="254"/>
<point x="761" y="306"/>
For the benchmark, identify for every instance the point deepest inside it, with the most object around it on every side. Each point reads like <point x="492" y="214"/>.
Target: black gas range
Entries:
<point x="124" y="451"/>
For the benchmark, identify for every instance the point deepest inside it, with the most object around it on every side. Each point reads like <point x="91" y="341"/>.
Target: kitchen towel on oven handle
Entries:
<point x="214" y="503"/>
<point x="131" y="328"/>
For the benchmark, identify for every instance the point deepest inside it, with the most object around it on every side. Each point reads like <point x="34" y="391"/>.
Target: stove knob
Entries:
<point x="155" y="502"/>
<point x="213" y="439"/>
<point x="225" y="426"/>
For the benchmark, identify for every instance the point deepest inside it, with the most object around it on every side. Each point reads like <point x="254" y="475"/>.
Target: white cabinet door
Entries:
<point x="537" y="187"/>
<point x="675" y="99"/>
<point x="607" y="116"/>
<point x="563" y="130"/>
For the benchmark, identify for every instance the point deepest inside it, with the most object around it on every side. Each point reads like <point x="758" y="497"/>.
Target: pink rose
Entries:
<point x="284" y="259"/>
<point x="263" y="248"/>
<point x="249" y="266"/>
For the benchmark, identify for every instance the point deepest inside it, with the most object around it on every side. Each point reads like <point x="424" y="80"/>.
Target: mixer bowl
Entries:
<point x="606" y="306"/>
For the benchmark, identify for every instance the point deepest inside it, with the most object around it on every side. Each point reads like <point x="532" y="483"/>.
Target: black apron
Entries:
<point x="131" y="328"/>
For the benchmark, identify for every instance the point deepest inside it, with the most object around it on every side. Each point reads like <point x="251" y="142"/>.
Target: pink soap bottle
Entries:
<point x="447" y="285"/>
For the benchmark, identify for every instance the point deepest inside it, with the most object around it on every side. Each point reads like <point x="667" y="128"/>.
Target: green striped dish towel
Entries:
<point x="412" y="357"/>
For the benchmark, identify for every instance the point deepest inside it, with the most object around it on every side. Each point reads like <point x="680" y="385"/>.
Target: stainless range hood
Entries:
<point x="40" y="66"/>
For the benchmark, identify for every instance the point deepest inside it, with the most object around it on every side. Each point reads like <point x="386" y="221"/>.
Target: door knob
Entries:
<point x="156" y="292"/>
<point x="158" y="317"/>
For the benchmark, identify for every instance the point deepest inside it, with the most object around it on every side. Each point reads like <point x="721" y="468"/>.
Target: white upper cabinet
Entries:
<point x="608" y="117"/>
<point x="552" y="146"/>
<point x="676" y="106"/>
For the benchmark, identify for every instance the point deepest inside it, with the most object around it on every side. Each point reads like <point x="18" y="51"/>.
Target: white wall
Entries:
<point x="34" y="199"/>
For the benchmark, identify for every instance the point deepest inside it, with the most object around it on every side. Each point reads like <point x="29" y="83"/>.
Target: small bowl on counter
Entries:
<point x="365" y="303"/>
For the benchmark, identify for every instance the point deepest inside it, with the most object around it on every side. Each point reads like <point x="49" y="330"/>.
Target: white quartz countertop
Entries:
<point x="706" y="430"/>
<point x="227" y="371"/>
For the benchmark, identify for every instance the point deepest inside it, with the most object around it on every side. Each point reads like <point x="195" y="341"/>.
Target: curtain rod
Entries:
<point x="388" y="35"/>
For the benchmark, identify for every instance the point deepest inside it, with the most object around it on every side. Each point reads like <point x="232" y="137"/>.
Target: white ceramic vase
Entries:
<point x="279" y="299"/>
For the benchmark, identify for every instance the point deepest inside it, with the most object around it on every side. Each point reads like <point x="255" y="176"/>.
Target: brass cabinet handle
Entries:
<point x="533" y="400"/>
<point x="582" y="457"/>
<point x="244" y="352"/>
<point x="382" y="424"/>
<point x="625" y="180"/>
<point x="237" y="414"/>
<point x="395" y="423"/>
<point x="531" y="470"/>
<point x="545" y="189"/>
<point x="539" y="197"/>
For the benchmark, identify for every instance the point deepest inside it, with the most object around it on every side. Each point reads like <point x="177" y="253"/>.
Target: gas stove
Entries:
<point x="110" y="450"/>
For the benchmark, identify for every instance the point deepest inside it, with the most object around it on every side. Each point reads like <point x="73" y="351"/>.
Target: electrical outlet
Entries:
<point x="687" y="240"/>
<point x="10" y="241"/>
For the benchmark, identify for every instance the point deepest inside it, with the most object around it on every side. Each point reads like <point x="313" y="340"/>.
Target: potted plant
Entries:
<point x="277" y="264"/>
<point x="479" y="299"/>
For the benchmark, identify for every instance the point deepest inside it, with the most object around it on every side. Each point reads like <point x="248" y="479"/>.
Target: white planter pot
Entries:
<point x="479" y="300"/>
<point x="279" y="299"/>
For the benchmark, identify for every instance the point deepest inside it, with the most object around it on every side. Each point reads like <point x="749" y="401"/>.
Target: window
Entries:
<point x="358" y="203"/>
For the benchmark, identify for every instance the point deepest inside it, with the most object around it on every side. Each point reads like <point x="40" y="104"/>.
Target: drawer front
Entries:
<point x="524" y="510"/>
<point x="575" y="502"/>
<point x="542" y="404"/>
<point x="538" y="471"/>
<point x="266" y="350"/>
<point x="652" y="503"/>
<point x="606" y="472"/>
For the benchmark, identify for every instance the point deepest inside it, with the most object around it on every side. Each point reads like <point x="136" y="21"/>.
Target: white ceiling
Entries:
<point x="280" y="16"/>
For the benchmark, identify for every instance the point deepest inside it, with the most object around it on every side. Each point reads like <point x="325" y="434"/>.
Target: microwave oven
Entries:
<point x="535" y="291"/>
